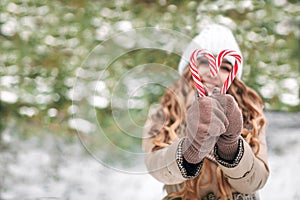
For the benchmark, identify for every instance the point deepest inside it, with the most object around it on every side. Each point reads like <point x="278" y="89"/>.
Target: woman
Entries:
<point x="212" y="147"/>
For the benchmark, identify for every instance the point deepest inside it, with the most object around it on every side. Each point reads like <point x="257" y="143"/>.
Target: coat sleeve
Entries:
<point x="161" y="164"/>
<point x="252" y="171"/>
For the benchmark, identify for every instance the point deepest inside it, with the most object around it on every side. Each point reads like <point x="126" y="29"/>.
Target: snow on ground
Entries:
<point x="283" y="136"/>
<point x="54" y="169"/>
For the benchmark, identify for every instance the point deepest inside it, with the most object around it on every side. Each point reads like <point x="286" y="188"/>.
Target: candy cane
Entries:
<point x="214" y="64"/>
<point x="194" y="69"/>
<point x="232" y="74"/>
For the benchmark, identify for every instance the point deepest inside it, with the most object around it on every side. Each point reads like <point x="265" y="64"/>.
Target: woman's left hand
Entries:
<point x="228" y="142"/>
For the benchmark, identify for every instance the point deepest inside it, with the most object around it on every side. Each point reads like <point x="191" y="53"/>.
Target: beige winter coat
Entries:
<point x="247" y="177"/>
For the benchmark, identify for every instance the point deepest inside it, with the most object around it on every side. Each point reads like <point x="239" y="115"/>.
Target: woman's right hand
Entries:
<point x="206" y="121"/>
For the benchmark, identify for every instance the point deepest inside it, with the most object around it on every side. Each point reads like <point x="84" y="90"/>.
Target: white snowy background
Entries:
<point x="51" y="168"/>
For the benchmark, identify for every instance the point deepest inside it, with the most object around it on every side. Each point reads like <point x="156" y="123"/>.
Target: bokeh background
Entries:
<point x="65" y="102"/>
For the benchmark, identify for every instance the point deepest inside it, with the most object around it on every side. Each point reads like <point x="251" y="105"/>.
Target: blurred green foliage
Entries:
<point x="44" y="43"/>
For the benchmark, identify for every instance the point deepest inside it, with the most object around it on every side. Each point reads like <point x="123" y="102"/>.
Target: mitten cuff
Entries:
<point x="227" y="151"/>
<point x="188" y="170"/>
<point x="233" y="163"/>
<point x="190" y="153"/>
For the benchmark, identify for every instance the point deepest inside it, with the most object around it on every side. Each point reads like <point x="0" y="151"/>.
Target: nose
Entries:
<point x="204" y="71"/>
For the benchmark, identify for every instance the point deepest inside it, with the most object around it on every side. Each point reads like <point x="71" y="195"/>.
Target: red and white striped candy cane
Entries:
<point x="214" y="64"/>
<point x="194" y="69"/>
<point x="232" y="74"/>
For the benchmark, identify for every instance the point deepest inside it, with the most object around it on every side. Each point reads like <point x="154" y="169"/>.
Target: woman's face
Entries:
<point x="210" y="82"/>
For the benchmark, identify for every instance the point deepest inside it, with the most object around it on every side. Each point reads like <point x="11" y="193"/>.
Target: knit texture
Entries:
<point x="228" y="142"/>
<point x="226" y="151"/>
<point x="206" y="121"/>
<point x="213" y="38"/>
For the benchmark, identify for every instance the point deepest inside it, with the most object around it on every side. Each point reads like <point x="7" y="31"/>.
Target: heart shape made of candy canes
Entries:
<point x="214" y="64"/>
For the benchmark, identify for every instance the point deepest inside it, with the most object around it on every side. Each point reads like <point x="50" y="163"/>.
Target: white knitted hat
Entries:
<point x="213" y="38"/>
